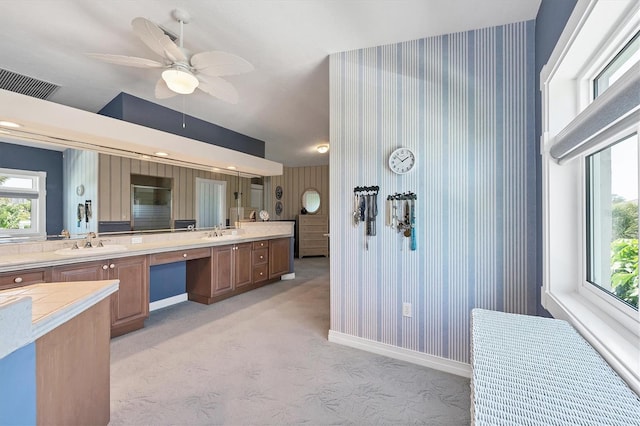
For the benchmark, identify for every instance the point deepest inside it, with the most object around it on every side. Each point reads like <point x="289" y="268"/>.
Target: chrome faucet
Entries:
<point x="90" y="237"/>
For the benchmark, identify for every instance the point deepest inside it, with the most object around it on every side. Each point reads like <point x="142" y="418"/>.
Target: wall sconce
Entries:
<point x="322" y="148"/>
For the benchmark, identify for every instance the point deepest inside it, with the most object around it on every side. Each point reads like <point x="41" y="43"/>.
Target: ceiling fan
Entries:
<point x="183" y="72"/>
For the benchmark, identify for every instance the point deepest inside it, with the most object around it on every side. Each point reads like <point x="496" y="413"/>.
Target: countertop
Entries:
<point x="30" y="312"/>
<point x="42" y="259"/>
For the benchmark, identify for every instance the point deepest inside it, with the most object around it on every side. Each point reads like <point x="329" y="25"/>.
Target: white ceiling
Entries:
<point x="284" y="102"/>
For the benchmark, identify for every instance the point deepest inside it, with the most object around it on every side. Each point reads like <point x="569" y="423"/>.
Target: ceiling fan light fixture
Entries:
<point x="180" y="80"/>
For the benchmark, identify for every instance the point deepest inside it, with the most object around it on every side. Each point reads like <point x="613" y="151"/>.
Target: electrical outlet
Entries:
<point x="406" y="309"/>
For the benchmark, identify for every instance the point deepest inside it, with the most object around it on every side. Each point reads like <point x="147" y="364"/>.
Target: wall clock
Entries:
<point x="402" y="160"/>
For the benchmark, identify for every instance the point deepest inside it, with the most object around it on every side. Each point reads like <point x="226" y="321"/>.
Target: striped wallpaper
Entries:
<point x="464" y="103"/>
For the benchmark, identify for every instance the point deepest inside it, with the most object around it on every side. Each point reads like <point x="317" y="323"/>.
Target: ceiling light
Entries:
<point x="231" y="167"/>
<point x="9" y="124"/>
<point x="161" y="154"/>
<point x="180" y="80"/>
<point x="322" y="148"/>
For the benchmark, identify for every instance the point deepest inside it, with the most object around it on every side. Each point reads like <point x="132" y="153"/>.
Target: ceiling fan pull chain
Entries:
<point x="183" y="123"/>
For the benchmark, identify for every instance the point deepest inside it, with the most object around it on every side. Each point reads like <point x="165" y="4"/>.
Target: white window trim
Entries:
<point x="609" y="325"/>
<point x="40" y="213"/>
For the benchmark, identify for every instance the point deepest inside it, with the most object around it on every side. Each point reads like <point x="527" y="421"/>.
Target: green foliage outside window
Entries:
<point x="11" y="214"/>
<point x="624" y="251"/>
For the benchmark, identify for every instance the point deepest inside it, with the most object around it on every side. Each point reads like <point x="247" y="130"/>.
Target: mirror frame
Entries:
<point x="303" y="199"/>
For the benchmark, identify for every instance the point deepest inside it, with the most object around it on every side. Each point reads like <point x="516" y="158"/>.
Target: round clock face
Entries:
<point x="402" y="160"/>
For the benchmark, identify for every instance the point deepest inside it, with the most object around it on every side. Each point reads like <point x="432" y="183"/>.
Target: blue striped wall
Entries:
<point x="465" y="104"/>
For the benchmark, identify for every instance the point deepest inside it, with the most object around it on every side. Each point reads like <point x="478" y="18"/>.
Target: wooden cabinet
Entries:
<point x="279" y="257"/>
<point x="130" y="304"/>
<point x="230" y="270"/>
<point x="18" y="279"/>
<point x="312" y="231"/>
<point x="260" y="261"/>
<point x="178" y="256"/>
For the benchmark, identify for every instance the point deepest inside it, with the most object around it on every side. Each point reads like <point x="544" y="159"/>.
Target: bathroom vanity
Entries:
<point x="217" y="267"/>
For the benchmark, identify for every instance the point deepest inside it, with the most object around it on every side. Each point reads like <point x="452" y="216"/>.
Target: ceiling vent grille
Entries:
<point x="29" y="86"/>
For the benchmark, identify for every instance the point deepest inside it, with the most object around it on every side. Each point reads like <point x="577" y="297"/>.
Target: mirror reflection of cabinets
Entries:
<point x="311" y="201"/>
<point x="106" y="180"/>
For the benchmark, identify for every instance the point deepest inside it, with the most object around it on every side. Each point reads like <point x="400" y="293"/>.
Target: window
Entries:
<point x="612" y="228"/>
<point x="22" y="203"/>
<point x="625" y="59"/>
<point x="591" y="122"/>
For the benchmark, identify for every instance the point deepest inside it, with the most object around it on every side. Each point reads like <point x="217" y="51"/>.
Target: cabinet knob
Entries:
<point x="184" y="254"/>
<point x="261" y="274"/>
<point x="261" y="257"/>
<point x="112" y="266"/>
<point x="17" y="280"/>
<point x="105" y="267"/>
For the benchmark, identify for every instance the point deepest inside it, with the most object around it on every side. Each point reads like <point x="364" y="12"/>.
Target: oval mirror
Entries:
<point x="311" y="200"/>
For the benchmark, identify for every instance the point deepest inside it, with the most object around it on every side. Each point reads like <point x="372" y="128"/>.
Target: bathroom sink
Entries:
<point x="93" y="251"/>
<point x="221" y="237"/>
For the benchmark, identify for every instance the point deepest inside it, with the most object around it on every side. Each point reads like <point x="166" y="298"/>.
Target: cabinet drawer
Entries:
<point x="260" y="244"/>
<point x="260" y="273"/>
<point x="260" y="256"/>
<point x="178" y="256"/>
<point x="16" y="279"/>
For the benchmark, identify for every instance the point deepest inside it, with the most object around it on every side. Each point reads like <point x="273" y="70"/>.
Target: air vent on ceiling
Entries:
<point x="29" y="86"/>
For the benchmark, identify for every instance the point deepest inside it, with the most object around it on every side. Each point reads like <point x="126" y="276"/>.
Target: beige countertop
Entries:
<point x="25" y="259"/>
<point x="44" y="307"/>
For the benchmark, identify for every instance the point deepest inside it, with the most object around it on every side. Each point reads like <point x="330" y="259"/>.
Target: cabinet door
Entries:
<point x="242" y="265"/>
<point x="279" y="251"/>
<point x="88" y="271"/>
<point x="131" y="302"/>
<point x="222" y="265"/>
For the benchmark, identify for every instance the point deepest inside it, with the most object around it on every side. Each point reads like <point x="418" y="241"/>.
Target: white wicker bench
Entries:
<point x="530" y="370"/>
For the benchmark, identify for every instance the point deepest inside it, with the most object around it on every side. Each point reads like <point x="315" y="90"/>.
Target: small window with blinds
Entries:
<point x="22" y="202"/>
<point x="612" y="220"/>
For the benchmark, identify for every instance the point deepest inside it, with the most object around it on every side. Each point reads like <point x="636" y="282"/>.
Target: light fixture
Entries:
<point x="231" y="167"/>
<point x="161" y="154"/>
<point x="322" y="148"/>
<point x="180" y="80"/>
<point x="9" y="124"/>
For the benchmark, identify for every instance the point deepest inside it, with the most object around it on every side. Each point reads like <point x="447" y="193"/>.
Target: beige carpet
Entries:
<point x="262" y="358"/>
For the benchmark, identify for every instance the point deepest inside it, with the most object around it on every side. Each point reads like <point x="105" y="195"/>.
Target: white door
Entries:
<point x="211" y="202"/>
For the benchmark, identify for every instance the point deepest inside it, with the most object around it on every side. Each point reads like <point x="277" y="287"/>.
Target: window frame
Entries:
<point x="38" y="204"/>
<point x="611" y="326"/>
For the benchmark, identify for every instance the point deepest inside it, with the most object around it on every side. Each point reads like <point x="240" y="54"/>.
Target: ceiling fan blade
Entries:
<point x="157" y="40"/>
<point x="163" y="91"/>
<point x="220" y="89"/>
<point x="217" y="64"/>
<point x="130" y="61"/>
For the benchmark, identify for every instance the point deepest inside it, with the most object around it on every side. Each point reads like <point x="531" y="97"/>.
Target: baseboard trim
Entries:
<point x="163" y="303"/>
<point x="426" y="360"/>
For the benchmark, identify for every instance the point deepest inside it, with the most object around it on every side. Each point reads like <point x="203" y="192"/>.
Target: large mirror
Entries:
<point x="114" y="188"/>
<point x="311" y="200"/>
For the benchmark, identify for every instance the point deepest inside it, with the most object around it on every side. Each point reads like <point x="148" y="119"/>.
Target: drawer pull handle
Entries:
<point x="112" y="266"/>
<point x="17" y="280"/>
<point x="184" y="255"/>
<point x="105" y="267"/>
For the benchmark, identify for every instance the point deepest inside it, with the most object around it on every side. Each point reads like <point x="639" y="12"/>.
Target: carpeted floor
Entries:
<point x="262" y="358"/>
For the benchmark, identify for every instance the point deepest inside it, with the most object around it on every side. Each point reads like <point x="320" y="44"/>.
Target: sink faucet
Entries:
<point x="90" y="237"/>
